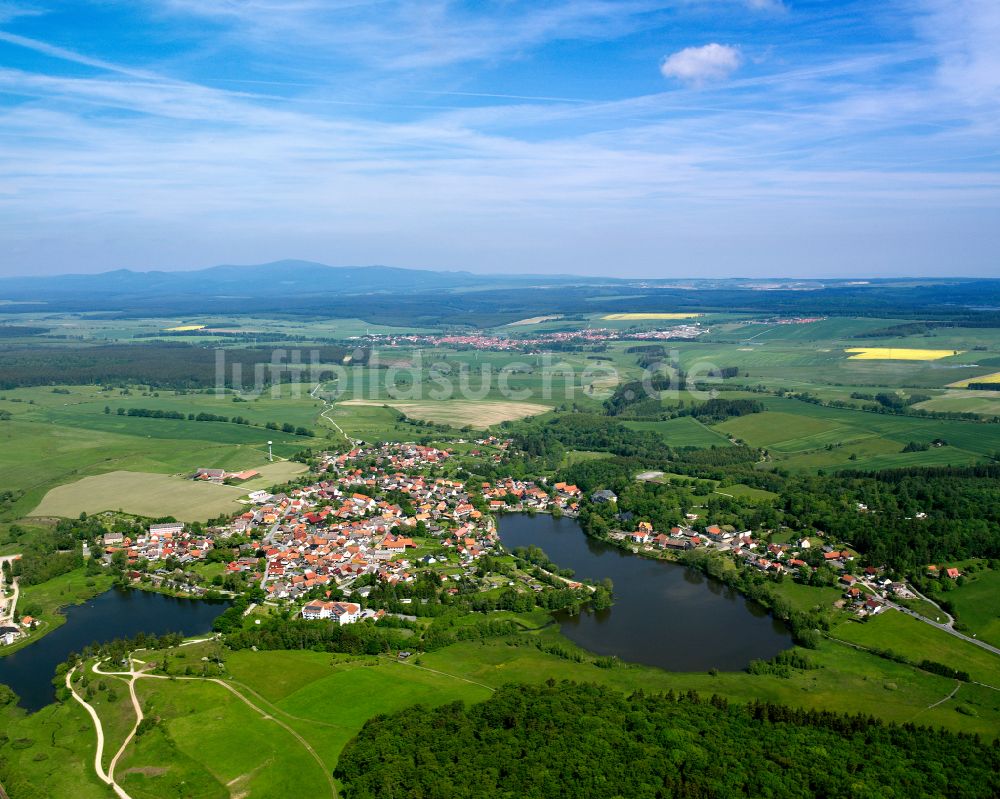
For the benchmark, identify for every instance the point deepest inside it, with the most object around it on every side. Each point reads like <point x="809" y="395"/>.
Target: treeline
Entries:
<point x="569" y="739"/>
<point x="901" y="408"/>
<point x="157" y="413"/>
<point x="638" y="400"/>
<point x="20" y="331"/>
<point x="361" y="638"/>
<point x="905" y="329"/>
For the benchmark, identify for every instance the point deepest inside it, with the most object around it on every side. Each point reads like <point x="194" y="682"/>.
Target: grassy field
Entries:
<point x="977" y="604"/>
<point x="740" y="491"/>
<point x="685" y="431"/>
<point x="805" y="436"/>
<point x="916" y="640"/>
<point x="208" y="743"/>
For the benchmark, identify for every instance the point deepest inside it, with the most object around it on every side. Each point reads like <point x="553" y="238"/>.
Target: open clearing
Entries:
<point x="535" y="320"/>
<point x="462" y="412"/>
<point x="143" y="494"/>
<point x="897" y="354"/>
<point x="993" y="377"/>
<point x="638" y="317"/>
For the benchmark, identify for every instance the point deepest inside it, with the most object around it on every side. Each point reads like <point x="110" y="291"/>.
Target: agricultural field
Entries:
<point x="461" y="413"/>
<point x="985" y="403"/>
<point x="993" y="377"/>
<point x="56" y="437"/>
<point x="898" y="354"/>
<point x="156" y="495"/>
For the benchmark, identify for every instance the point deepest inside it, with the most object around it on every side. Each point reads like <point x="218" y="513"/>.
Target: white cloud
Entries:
<point x="766" y="5"/>
<point x="698" y="65"/>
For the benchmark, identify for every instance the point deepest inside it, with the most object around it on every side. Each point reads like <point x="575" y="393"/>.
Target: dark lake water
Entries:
<point x="665" y="614"/>
<point x="113" y="614"/>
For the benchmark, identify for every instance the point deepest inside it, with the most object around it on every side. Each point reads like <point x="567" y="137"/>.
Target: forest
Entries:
<point x="160" y="365"/>
<point x="566" y="739"/>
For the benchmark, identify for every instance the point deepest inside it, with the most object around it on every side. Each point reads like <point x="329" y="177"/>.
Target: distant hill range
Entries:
<point x="419" y="297"/>
<point x="300" y="277"/>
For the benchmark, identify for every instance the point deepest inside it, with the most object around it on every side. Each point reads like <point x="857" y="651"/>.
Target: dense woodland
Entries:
<point x="570" y="740"/>
<point x="161" y="365"/>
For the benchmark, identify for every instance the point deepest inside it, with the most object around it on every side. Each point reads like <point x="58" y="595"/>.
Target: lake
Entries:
<point x="665" y="614"/>
<point x="114" y="614"/>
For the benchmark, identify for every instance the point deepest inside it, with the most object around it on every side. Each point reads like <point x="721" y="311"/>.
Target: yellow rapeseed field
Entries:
<point x="184" y="328"/>
<point x="634" y="317"/>
<point x="992" y="378"/>
<point x="895" y="354"/>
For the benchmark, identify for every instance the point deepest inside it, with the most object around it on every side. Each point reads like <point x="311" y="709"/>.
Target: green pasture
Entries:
<point x="805" y="436"/>
<point x="917" y="640"/>
<point x="977" y="604"/>
<point x="684" y="431"/>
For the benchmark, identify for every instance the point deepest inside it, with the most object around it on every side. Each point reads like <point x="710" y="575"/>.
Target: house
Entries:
<point x="954" y="574"/>
<point x="681" y="544"/>
<point x="639" y="537"/>
<point x="603" y="496"/>
<point x="210" y="474"/>
<point x="873" y="606"/>
<point x="112" y="539"/>
<point x="717" y="534"/>
<point x="9" y="635"/>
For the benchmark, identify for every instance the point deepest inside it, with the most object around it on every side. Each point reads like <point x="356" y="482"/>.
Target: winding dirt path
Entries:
<point x="135" y="674"/>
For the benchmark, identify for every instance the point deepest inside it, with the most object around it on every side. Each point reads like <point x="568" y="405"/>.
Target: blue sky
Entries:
<point x="624" y="137"/>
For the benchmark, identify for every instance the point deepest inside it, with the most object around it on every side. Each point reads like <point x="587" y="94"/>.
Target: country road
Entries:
<point x="329" y="407"/>
<point x="99" y="753"/>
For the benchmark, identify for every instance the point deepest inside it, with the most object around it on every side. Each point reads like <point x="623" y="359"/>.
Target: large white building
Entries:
<point x="342" y="612"/>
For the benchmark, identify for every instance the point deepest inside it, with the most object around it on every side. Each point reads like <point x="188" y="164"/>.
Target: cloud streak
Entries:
<point x="171" y="160"/>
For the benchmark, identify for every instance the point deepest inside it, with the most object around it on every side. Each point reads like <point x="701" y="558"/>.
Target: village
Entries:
<point x="533" y="343"/>
<point x="383" y="513"/>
